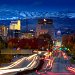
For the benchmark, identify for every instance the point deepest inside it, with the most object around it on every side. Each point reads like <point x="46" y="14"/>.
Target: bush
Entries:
<point x="6" y="58"/>
<point x="72" y="61"/>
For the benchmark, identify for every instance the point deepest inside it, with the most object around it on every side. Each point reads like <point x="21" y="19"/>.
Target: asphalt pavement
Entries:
<point x="59" y="66"/>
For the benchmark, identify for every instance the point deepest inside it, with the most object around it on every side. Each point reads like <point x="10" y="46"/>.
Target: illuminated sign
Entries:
<point x="45" y="21"/>
<point x="15" y="25"/>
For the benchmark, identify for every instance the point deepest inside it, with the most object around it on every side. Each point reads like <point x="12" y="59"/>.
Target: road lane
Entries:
<point x="30" y="66"/>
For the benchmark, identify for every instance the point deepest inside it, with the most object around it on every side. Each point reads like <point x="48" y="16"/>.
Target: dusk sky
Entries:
<point x="39" y="4"/>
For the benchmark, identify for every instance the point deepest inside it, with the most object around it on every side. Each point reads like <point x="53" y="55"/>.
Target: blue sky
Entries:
<point x="39" y="4"/>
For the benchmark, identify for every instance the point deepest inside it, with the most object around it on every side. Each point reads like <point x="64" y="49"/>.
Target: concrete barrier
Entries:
<point x="24" y="51"/>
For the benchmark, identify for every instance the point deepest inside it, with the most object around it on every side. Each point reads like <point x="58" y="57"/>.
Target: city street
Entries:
<point x="37" y="37"/>
<point x="59" y="67"/>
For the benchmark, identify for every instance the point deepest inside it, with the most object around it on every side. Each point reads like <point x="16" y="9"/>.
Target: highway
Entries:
<point x="24" y="65"/>
<point x="54" y="64"/>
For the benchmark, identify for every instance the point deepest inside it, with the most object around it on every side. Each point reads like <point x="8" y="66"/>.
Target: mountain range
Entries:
<point x="16" y="14"/>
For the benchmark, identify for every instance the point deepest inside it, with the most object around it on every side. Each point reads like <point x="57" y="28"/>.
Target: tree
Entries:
<point x="10" y="45"/>
<point x="47" y="38"/>
<point x="69" y="42"/>
<point x="3" y="43"/>
<point x="6" y="58"/>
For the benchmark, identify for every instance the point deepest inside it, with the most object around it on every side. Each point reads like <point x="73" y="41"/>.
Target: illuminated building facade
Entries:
<point x="40" y="31"/>
<point x="44" y="26"/>
<point x="29" y="34"/>
<point x="3" y="31"/>
<point x="15" y="27"/>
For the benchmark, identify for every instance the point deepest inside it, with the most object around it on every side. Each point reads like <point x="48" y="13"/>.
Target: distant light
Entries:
<point x="58" y="32"/>
<point x="58" y="43"/>
<point x="60" y="48"/>
<point x="68" y="49"/>
<point x="45" y="20"/>
<point x="47" y="49"/>
<point x="65" y="48"/>
<point x="32" y="30"/>
<point x="7" y="28"/>
<point x="32" y="35"/>
<point x="54" y="48"/>
<point x="53" y="42"/>
<point x="14" y="56"/>
<point x="39" y="52"/>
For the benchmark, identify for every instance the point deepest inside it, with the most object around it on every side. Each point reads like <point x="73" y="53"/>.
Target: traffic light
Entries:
<point x="60" y="48"/>
<point x="65" y="48"/>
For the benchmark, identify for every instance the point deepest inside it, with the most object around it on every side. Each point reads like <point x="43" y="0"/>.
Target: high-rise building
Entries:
<point x="15" y="27"/>
<point x="44" y="26"/>
<point x="40" y="31"/>
<point x="3" y="31"/>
